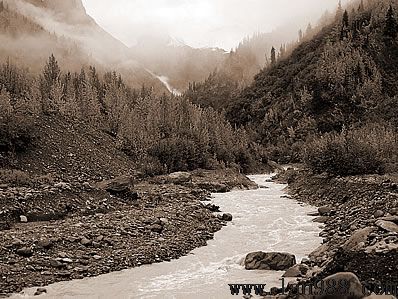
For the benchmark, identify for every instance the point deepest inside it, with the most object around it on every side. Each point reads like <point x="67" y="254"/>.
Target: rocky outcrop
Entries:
<point x="269" y="261"/>
<point x="118" y="185"/>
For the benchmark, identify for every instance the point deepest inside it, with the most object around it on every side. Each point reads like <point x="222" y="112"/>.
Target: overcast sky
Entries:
<point x="214" y="23"/>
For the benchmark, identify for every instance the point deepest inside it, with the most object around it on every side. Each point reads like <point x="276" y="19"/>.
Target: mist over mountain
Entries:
<point x="33" y="30"/>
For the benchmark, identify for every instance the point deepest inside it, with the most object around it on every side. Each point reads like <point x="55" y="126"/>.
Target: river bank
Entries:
<point x="360" y="217"/>
<point x="71" y="230"/>
<point x="263" y="220"/>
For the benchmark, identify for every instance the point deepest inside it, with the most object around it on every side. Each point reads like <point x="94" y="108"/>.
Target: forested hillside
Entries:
<point x="344" y="76"/>
<point x="160" y="134"/>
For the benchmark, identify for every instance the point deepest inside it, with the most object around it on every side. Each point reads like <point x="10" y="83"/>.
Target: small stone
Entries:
<point x="56" y="264"/>
<point x="156" y="228"/>
<point x="26" y="252"/>
<point x="40" y="291"/>
<point x="86" y="242"/>
<point x="45" y="244"/>
<point x="227" y="217"/>
<point x="23" y="219"/>
<point x="321" y="219"/>
<point x="96" y="244"/>
<point x="97" y="257"/>
<point x="379" y="214"/>
<point x="67" y="260"/>
<point x="164" y="221"/>
<point x="99" y="238"/>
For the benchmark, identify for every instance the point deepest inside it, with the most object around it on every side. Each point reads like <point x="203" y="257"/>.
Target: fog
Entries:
<point x="200" y="23"/>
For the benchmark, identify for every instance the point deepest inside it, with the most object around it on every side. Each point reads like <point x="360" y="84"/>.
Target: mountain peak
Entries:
<point x="72" y="11"/>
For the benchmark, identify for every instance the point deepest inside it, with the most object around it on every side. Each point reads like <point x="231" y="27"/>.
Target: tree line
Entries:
<point x="160" y="133"/>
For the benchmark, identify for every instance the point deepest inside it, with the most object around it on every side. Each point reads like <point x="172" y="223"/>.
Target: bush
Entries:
<point x="178" y="154"/>
<point x="365" y="150"/>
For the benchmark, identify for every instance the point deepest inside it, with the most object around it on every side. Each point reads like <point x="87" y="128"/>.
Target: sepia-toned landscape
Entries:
<point x="191" y="165"/>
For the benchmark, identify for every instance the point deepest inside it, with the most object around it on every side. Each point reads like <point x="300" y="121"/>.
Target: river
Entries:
<point x="264" y="220"/>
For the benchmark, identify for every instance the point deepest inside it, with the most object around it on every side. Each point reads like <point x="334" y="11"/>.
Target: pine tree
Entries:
<point x="361" y="7"/>
<point x="51" y="71"/>
<point x="345" y="19"/>
<point x="391" y="27"/>
<point x="273" y="56"/>
<point x="339" y="12"/>
<point x="300" y="33"/>
<point x="6" y="108"/>
<point x="309" y="29"/>
<point x="51" y="76"/>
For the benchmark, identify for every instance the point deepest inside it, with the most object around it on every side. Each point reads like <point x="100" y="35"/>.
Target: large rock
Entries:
<point x="227" y="217"/>
<point x="388" y="226"/>
<point x="320" y="252"/>
<point x="390" y="218"/>
<point x="118" y="185"/>
<point x="358" y="239"/>
<point x="354" y="290"/>
<point x="26" y="252"/>
<point x="296" y="271"/>
<point x="179" y="177"/>
<point x="325" y="211"/>
<point x="269" y="261"/>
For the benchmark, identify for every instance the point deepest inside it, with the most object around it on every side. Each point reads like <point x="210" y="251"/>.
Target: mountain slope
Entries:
<point x="32" y="30"/>
<point x="180" y="63"/>
<point x="346" y="74"/>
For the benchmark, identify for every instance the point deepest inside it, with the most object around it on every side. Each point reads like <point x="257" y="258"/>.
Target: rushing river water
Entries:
<point x="264" y="220"/>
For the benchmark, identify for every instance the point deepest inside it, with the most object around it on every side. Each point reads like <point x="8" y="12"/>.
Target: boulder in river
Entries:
<point x="269" y="261"/>
<point x="40" y="291"/>
<point x="227" y="217"/>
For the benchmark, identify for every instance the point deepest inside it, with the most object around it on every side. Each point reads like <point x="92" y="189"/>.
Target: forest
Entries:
<point x="332" y="102"/>
<point x="328" y="99"/>
<point x="160" y="133"/>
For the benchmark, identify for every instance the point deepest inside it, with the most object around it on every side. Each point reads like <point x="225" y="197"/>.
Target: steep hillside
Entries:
<point x="346" y="74"/>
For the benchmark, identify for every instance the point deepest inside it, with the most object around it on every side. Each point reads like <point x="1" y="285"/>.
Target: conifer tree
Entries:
<point x="273" y="56"/>
<point x="339" y="12"/>
<point x="309" y="29"/>
<point x="361" y="7"/>
<point x="391" y="27"/>
<point x="345" y="19"/>
<point x="300" y="33"/>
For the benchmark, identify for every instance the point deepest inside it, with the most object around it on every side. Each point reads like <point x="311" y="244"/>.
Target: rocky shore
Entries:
<point x="360" y="224"/>
<point x="54" y="230"/>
